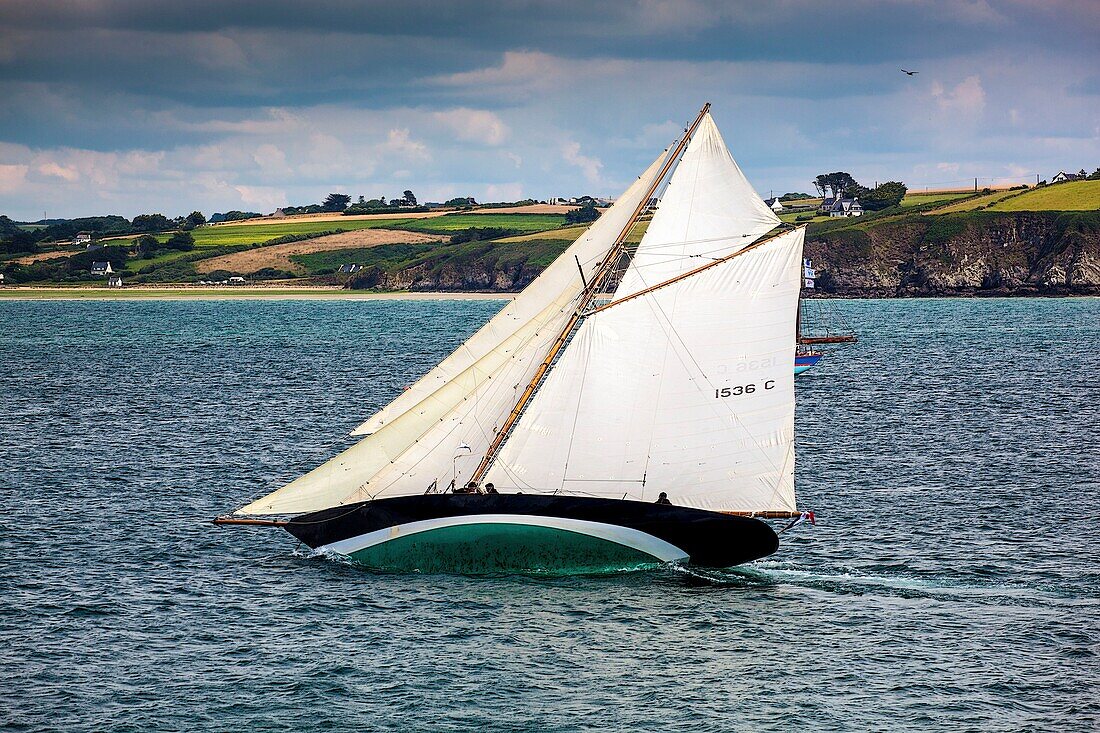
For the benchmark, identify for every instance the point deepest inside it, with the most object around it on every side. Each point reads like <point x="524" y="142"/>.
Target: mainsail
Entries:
<point x="449" y="417"/>
<point x="687" y="389"/>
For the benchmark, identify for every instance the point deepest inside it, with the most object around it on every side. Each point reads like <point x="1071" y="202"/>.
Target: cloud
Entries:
<point x="50" y="168"/>
<point x="271" y="121"/>
<point x="504" y="192"/>
<point x="966" y="99"/>
<point x="400" y="141"/>
<point x="12" y="176"/>
<point x="527" y="69"/>
<point x="474" y="125"/>
<point x="261" y="197"/>
<point x="590" y="167"/>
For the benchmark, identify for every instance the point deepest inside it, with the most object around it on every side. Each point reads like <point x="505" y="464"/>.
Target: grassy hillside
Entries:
<point x="1072" y="196"/>
<point x="224" y="239"/>
<point x="569" y="233"/>
<point x="455" y="222"/>
<point x="537" y="252"/>
<point x="977" y="202"/>
<point x="221" y="236"/>
<point x="916" y="199"/>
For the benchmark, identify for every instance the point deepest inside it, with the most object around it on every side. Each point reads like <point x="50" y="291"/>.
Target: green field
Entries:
<point x="570" y="233"/>
<point x="792" y="217"/>
<point x="917" y="199"/>
<point x="229" y="234"/>
<point x="221" y="236"/>
<point x="455" y="222"/>
<point x="536" y="249"/>
<point x="977" y="203"/>
<point x="1072" y="196"/>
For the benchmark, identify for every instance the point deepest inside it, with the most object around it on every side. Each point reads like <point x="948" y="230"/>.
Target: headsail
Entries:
<point x="413" y="441"/>
<point x="709" y="210"/>
<point x="686" y="388"/>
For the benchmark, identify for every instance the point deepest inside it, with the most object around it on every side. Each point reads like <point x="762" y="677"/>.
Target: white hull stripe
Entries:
<point x="640" y="541"/>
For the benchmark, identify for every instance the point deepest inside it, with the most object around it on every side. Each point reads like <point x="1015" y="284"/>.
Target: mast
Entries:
<point x="586" y="297"/>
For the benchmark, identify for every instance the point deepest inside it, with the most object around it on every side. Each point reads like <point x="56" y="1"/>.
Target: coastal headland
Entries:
<point x="1023" y="241"/>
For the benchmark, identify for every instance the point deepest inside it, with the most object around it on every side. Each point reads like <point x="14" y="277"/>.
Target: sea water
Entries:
<point x="952" y="581"/>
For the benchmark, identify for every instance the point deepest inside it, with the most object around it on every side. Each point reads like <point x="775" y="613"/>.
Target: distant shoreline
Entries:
<point x="232" y="293"/>
<point x="314" y="292"/>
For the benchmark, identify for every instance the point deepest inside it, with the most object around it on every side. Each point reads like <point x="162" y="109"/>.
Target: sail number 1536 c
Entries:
<point x="741" y="389"/>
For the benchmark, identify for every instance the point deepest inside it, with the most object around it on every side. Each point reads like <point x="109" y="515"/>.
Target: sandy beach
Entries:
<point x="251" y="292"/>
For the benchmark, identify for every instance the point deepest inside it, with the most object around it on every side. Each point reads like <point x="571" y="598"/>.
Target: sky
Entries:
<point x="141" y="106"/>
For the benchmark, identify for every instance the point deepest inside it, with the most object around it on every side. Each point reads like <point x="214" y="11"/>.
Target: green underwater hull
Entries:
<point x="492" y="548"/>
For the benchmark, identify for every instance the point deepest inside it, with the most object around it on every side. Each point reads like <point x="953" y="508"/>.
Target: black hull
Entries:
<point x="703" y="538"/>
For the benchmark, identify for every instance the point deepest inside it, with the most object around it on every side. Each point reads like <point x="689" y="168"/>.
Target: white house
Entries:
<point x="1063" y="176"/>
<point x="237" y="280"/>
<point x="845" y="207"/>
<point x="350" y="269"/>
<point x="82" y="238"/>
<point x="774" y="204"/>
<point x="114" y="281"/>
<point x="102" y="268"/>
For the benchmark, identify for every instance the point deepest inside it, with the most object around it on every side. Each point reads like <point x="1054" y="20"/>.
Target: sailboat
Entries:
<point x="808" y="354"/>
<point x="633" y="405"/>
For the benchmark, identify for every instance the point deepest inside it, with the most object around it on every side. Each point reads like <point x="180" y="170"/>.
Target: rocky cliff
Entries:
<point x="968" y="253"/>
<point x="888" y="256"/>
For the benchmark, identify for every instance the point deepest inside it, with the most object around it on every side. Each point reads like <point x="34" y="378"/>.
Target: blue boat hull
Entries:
<point x="802" y="362"/>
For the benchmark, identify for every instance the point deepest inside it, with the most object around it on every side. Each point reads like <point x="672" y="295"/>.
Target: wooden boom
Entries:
<point x="810" y="340"/>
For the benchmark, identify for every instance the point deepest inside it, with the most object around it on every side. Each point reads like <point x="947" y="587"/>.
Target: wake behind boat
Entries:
<point x="633" y="405"/>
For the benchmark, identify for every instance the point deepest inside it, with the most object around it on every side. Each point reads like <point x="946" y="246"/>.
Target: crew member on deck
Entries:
<point x="490" y="489"/>
<point x="663" y="499"/>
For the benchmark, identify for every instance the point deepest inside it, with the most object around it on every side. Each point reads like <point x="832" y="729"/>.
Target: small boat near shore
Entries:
<point x="826" y="326"/>
<point x="634" y="405"/>
<point x="804" y="359"/>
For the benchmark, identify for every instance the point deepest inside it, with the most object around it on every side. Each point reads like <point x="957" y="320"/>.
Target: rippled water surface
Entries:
<point x="953" y="581"/>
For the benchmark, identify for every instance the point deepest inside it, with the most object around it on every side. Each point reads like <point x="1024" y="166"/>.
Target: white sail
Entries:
<point x="455" y="410"/>
<point x="687" y="389"/>
<point x="709" y="210"/>
<point x="561" y="276"/>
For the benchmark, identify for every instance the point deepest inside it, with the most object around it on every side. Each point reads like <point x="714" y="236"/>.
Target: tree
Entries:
<point x="146" y="245"/>
<point x="461" y="201"/>
<point x="336" y="202"/>
<point x="411" y="200"/>
<point x="834" y="185"/>
<point x="841" y="182"/>
<point x="582" y="215"/>
<point x="882" y="196"/>
<point x="19" y="241"/>
<point x="150" y="223"/>
<point x="194" y="219"/>
<point x="183" y="241"/>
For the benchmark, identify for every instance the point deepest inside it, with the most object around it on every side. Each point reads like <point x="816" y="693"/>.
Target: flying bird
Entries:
<point x="910" y="73"/>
